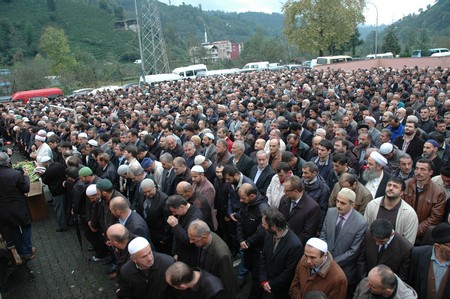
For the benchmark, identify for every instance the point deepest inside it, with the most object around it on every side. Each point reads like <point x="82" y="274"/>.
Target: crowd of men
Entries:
<point x="327" y="183"/>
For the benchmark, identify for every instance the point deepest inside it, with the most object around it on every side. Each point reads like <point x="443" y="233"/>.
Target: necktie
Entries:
<point x="339" y="225"/>
<point x="381" y="250"/>
<point x="293" y="204"/>
<point x="202" y="253"/>
<point x="362" y="156"/>
<point x="147" y="205"/>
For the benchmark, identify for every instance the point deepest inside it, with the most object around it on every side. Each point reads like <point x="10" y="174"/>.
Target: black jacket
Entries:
<point x="249" y="227"/>
<point x="264" y="178"/>
<point x="133" y="283"/>
<point x="156" y="216"/>
<point x="415" y="147"/>
<point x="14" y="210"/>
<point x="305" y="217"/>
<point x="53" y="177"/>
<point x="278" y="267"/>
<point x="320" y="192"/>
<point x="418" y="276"/>
<point x="207" y="287"/>
<point x="187" y="252"/>
<point x="136" y="225"/>
<point x="244" y="164"/>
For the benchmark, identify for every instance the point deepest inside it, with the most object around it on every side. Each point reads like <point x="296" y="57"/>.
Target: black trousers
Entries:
<point x="251" y="259"/>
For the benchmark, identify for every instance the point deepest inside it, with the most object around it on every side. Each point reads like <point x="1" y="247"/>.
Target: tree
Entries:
<point x="119" y="13"/>
<point x="390" y="41"/>
<point x="31" y="74"/>
<point x="319" y="25"/>
<point x="354" y="42"/>
<point x="51" y="5"/>
<point x="55" y="46"/>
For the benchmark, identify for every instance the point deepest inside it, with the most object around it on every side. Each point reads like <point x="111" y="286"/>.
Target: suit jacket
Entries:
<point x="415" y="147"/>
<point x="381" y="191"/>
<point x="305" y="217"/>
<point x="244" y="164"/>
<point x="418" y="277"/>
<point x="306" y="136"/>
<point x="133" y="283"/>
<point x="219" y="262"/>
<point x="137" y="226"/>
<point x="182" y="246"/>
<point x="168" y="186"/>
<point x="278" y="267"/>
<point x="156" y="216"/>
<point x="397" y="256"/>
<point x="210" y="154"/>
<point x="264" y="178"/>
<point x="110" y="173"/>
<point x="347" y="247"/>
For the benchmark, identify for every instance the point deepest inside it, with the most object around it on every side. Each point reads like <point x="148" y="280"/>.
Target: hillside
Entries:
<point x="429" y="28"/>
<point x="90" y="29"/>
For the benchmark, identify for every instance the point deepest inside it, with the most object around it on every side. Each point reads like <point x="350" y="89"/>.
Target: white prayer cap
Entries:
<point x="197" y="168"/>
<point x="199" y="159"/>
<point x="210" y="136"/>
<point x="91" y="190"/>
<point x="386" y="148"/>
<point x="318" y="244"/>
<point x="137" y="244"/>
<point x="93" y="142"/>
<point x="379" y="158"/>
<point x="83" y="135"/>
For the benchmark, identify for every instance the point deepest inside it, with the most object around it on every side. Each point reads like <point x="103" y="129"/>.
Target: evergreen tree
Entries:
<point x="390" y="41"/>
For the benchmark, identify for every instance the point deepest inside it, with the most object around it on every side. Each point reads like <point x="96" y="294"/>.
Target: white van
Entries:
<point x="380" y="55"/>
<point x="429" y="52"/>
<point x="190" y="71"/>
<point x="149" y="79"/>
<point x="333" y="59"/>
<point x="441" y="54"/>
<point x="255" y="66"/>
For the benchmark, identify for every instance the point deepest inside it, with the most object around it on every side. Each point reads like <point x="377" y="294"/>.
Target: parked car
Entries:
<point x="5" y="72"/>
<point x="81" y="92"/>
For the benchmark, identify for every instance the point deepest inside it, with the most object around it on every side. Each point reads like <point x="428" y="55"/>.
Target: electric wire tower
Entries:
<point x="153" y="47"/>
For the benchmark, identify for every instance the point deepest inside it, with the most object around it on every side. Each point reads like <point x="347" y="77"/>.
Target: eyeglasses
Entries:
<point x="291" y="190"/>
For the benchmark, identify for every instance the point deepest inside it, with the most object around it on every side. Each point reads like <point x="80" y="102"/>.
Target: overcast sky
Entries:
<point x="389" y="11"/>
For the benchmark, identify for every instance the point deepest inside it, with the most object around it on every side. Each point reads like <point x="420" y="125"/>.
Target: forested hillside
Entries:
<point x="89" y="26"/>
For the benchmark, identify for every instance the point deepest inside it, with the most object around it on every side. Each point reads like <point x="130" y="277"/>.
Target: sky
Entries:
<point x="389" y="11"/>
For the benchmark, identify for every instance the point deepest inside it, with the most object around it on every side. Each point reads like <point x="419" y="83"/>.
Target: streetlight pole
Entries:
<point x="376" y="29"/>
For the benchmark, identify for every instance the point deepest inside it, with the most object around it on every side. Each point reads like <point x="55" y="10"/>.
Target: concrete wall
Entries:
<point x="396" y="63"/>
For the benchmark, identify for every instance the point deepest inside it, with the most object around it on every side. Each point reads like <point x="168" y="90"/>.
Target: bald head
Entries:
<point x="118" y="235"/>
<point x="119" y="203"/>
<point x="185" y="189"/>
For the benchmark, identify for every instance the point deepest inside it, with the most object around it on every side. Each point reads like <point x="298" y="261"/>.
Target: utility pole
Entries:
<point x="153" y="55"/>
<point x="376" y="29"/>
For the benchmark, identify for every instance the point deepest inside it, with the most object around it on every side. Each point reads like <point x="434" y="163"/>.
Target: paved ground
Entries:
<point x="61" y="269"/>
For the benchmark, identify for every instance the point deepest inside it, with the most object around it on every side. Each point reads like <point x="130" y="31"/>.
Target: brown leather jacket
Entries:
<point x="430" y="204"/>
